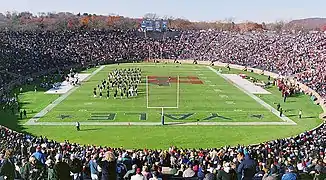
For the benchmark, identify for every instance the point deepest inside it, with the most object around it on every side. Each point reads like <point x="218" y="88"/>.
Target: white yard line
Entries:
<point x="42" y="113"/>
<point x="260" y="101"/>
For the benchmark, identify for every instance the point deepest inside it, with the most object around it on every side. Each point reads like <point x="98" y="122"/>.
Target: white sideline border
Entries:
<point x="83" y="123"/>
<point x="53" y="104"/>
<point x="260" y="101"/>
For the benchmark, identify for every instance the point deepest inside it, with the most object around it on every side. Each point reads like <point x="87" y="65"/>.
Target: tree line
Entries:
<point x="66" y="20"/>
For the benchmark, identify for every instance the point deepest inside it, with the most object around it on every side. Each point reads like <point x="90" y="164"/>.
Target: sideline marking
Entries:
<point x="59" y="100"/>
<point x="260" y="101"/>
<point x="160" y="124"/>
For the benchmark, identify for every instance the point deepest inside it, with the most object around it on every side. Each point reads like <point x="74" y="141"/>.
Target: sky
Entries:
<point x="194" y="10"/>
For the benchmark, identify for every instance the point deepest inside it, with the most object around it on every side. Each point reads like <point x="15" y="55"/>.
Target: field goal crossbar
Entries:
<point x="163" y="107"/>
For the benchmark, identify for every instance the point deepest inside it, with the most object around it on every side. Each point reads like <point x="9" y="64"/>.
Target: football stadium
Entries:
<point x="162" y="99"/>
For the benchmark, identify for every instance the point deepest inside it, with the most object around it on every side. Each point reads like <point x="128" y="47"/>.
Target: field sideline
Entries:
<point x="197" y="101"/>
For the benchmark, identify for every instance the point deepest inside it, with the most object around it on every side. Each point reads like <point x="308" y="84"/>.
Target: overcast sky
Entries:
<point x="195" y="10"/>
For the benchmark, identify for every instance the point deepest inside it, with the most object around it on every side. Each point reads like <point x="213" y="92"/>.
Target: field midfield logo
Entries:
<point x="103" y="116"/>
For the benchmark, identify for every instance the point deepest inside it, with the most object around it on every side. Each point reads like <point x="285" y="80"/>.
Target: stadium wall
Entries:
<point x="320" y="101"/>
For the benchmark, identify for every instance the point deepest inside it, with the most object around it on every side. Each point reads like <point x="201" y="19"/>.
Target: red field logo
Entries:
<point x="165" y="80"/>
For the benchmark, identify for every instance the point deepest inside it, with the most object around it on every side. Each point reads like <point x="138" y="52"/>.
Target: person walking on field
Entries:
<point x="77" y="126"/>
<point x="300" y="113"/>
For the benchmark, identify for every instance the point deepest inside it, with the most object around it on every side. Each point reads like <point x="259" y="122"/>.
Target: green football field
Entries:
<point x="197" y="99"/>
<point x="201" y="95"/>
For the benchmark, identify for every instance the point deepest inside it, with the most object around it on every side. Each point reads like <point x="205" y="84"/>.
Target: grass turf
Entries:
<point x="200" y="99"/>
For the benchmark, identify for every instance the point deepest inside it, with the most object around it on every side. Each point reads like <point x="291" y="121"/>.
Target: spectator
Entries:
<point x="75" y="167"/>
<point x="272" y="174"/>
<point x="189" y="172"/>
<point x="290" y="175"/>
<point x="131" y="172"/>
<point x="146" y="173"/>
<point x="226" y="173"/>
<point x="39" y="155"/>
<point x="7" y="169"/>
<point x="138" y="175"/>
<point x="49" y="163"/>
<point x="155" y="176"/>
<point x="34" y="170"/>
<point x="61" y="169"/>
<point x="108" y="166"/>
<point x="247" y="168"/>
<point x="93" y="168"/>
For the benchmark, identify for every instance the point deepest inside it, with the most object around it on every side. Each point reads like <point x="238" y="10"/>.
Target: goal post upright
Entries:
<point x="178" y="91"/>
<point x="163" y="107"/>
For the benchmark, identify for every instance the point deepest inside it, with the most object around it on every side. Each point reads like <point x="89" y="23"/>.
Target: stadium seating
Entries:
<point x="26" y="54"/>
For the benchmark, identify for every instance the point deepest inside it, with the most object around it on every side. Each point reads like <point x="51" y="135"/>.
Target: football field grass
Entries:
<point x="201" y="95"/>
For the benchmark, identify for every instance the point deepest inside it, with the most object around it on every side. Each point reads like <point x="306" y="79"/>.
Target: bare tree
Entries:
<point x="151" y="16"/>
<point x="278" y="26"/>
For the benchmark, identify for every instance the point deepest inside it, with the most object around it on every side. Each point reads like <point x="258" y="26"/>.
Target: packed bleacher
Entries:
<point x="300" y="54"/>
<point x="27" y="157"/>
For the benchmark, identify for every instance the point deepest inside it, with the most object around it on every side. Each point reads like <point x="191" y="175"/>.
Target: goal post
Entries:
<point x="162" y="107"/>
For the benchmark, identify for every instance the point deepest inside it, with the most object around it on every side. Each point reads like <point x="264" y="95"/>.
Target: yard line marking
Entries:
<point x="260" y="101"/>
<point x="229" y="102"/>
<point x="217" y="90"/>
<point x="200" y="74"/>
<point x="213" y="85"/>
<point x="224" y="96"/>
<point x="59" y="100"/>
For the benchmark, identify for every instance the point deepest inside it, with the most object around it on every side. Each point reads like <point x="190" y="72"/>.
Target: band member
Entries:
<point x="121" y="93"/>
<point x="107" y="94"/>
<point x="115" y="93"/>
<point x="94" y="92"/>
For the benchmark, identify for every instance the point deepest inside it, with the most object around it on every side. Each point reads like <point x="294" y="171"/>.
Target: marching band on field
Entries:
<point x="123" y="82"/>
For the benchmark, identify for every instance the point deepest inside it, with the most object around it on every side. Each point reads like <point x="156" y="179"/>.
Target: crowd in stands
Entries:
<point x="25" y="53"/>
<point x="301" y="54"/>
<point x="26" y="157"/>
